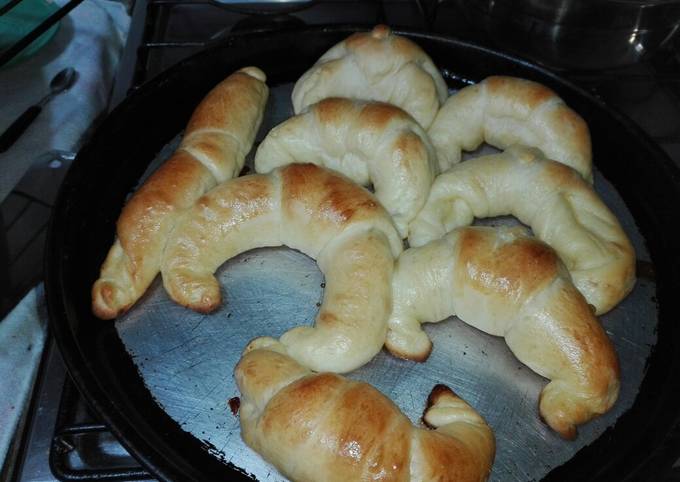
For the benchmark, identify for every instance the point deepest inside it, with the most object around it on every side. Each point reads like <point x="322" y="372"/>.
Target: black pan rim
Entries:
<point x="79" y="367"/>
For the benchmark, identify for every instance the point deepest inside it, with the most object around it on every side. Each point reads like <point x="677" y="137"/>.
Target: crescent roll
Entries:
<point x="375" y="65"/>
<point x="562" y="209"/>
<point x="504" y="111"/>
<point x="314" y="427"/>
<point x="509" y="284"/>
<point x="369" y="142"/>
<point x="318" y="212"/>
<point x="220" y="133"/>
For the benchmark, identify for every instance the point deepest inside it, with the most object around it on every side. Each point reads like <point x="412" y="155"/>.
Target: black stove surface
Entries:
<point x="62" y="439"/>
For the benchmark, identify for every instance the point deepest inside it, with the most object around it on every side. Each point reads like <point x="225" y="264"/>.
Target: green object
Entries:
<point x="20" y="21"/>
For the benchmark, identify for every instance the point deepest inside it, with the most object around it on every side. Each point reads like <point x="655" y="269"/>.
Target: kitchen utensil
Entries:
<point x="61" y="82"/>
<point x="129" y="371"/>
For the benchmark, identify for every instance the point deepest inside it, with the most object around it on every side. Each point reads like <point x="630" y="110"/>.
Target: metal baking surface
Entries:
<point x="187" y="359"/>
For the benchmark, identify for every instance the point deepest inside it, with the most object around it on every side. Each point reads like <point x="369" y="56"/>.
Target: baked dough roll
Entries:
<point x="220" y="133"/>
<point x="375" y="65"/>
<point x="326" y="427"/>
<point x="318" y="212"/>
<point x="508" y="284"/>
<point x="504" y="111"/>
<point x="562" y="209"/>
<point x="369" y="142"/>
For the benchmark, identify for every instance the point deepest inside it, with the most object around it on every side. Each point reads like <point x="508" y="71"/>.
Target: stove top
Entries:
<point x="62" y="440"/>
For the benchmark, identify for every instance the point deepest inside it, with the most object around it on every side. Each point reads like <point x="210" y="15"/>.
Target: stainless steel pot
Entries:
<point x="577" y="34"/>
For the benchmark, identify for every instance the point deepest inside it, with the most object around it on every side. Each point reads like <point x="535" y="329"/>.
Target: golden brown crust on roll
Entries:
<point x="305" y="207"/>
<point x="504" y="111"/>
<point x="376" y="65"/>
<point x="331" y="200"/>
<point x="369" y="142"/>
<point x="508" y="284"/>
<point x="219" y="135"/>
<point x="325" y="427"/>
<point x="562" y="209"/>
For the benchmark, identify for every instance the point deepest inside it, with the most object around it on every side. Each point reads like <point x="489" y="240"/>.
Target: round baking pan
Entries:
<point x="639" y="446"/>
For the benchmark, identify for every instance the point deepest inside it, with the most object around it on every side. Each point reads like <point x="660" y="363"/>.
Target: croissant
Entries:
<point x="508" y="284"/>
<point x="376" y="65"/>
<point x="504" y="111"/>
<point x="314" y="427"/>
<point x="369" y="142"/>
<point x="562" y="209"/>
<point x="220" y="133"/>
<point x="322" y="214"/>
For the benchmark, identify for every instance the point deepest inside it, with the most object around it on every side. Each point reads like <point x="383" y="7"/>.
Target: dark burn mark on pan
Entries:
<point x="234" y="405"/>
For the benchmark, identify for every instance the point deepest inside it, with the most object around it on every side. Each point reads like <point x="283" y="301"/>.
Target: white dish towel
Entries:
<point x="22" y="338"/>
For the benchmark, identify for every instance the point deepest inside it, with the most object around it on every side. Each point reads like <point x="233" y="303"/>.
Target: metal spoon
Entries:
<point x="60" y="82"/>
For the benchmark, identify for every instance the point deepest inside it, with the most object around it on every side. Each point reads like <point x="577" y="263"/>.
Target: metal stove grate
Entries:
<point x="84" y="449"/>
<point x="168" y="37"/>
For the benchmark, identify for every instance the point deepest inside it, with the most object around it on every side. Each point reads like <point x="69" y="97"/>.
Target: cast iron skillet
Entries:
<point x="640" y="446"/>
